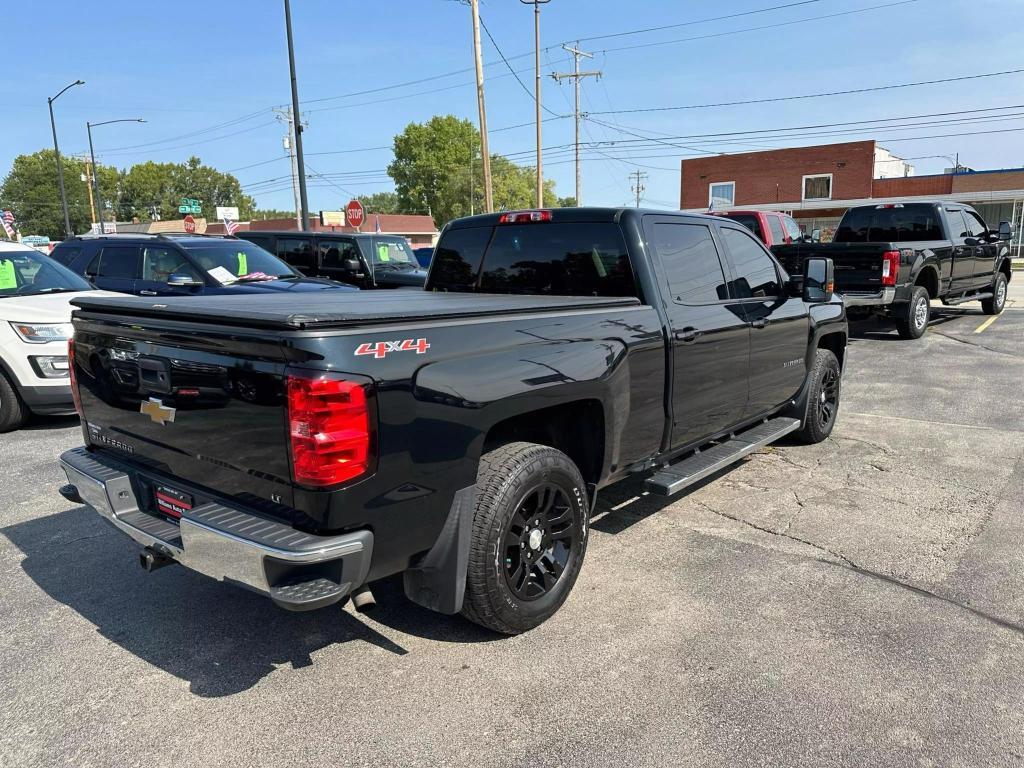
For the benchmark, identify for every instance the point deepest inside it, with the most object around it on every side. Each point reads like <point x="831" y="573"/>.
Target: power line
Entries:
<point x="810" y="95"/>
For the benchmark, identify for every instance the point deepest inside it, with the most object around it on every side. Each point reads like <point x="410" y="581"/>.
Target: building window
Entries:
<point x="818" y="187"/>
<point x="722" y="194"/>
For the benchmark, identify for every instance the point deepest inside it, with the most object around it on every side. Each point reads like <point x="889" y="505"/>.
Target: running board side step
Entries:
<point x="963" y="299"/>
<point x="675" y="477"/>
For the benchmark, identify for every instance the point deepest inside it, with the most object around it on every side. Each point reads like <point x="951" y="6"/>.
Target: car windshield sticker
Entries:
<point x="8" y="279"/>
<point x="383" y="253"/>
<point x="221" y="275"/>
<point x="243" y="266"/>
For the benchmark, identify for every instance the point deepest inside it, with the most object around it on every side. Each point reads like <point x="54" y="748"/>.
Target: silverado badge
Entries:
<point x="157" y="411"/>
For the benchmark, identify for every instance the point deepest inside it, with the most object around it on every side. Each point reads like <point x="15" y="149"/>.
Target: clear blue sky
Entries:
<point x="199" y="65"/>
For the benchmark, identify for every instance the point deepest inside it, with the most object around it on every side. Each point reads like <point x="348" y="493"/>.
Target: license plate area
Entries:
<point x="171" y="502"/>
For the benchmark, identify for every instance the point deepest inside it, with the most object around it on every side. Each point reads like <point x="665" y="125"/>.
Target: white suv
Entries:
<point x="35" y="322"/>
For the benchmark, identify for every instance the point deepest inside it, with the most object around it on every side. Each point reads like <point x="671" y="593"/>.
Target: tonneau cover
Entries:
<point x="342" y="309"/>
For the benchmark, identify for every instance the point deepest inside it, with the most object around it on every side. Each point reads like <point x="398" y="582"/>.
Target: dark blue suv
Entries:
<point x="182" y="265"/>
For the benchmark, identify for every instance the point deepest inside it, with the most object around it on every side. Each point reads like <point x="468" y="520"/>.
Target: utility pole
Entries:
<point x="486" y="157"/>
<point x="638" y="178"/>
<point x="536" y="91"/>
<point x="285" y="116"/>
<point x="576" y="75"/>
<point x="300" y="165"/>
<point x="95" y="177"/>
<point x="90" y="181"/>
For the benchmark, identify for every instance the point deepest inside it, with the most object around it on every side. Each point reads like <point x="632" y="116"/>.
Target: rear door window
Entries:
<point x="692" y="267"/>
<point x="297" y="251"/>
<point x="756" y="275"/>
<point x="117" y="261"/>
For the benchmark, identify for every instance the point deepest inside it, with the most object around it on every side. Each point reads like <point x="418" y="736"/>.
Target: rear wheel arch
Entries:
<point x="928" y="278"/>
<point x="576" y="428"/>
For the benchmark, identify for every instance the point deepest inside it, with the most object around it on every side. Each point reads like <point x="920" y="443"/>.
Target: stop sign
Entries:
<point x="190" y="224"/>
<point x="354" y="213"/>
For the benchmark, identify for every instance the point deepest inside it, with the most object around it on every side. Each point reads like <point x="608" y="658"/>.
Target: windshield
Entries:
<point x="393" y="252"/>
<point x="28" y="273"/>
<point x="228" y="261"/>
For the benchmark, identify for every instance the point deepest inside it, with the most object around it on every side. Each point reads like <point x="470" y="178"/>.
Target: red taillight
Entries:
<point x="74" y="381"/>
<point x="890" y="267"/>
<point x="524" y="217"/>
<point x="329" y="426"/>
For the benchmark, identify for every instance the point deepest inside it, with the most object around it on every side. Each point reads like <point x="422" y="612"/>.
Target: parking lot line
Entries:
<point x="986" y="324"/>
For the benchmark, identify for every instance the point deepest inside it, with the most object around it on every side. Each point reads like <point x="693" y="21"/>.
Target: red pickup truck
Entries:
<point x="770" y="227"/>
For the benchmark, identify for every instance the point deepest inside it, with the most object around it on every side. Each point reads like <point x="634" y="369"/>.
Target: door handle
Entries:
<point x="687" y="335"/>
<point x="759" y="323"/>
<point x="144" y="292"/>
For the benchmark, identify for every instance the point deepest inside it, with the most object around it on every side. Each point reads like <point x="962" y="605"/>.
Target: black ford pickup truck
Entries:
<point x="892" y="259"/>
<point x="458" y="435"/>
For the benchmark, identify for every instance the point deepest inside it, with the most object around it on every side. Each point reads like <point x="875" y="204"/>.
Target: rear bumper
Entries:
<point x="884" y="296"/>
<point x="297" y="570"/>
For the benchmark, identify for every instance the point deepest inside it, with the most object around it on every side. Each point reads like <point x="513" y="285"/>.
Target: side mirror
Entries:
<point x="183" y="281"/>
<point x="1005" y="231"/>
<point x="351" y="265"/>
<point x="816" y="236"/>
<point x="819" y="280"/>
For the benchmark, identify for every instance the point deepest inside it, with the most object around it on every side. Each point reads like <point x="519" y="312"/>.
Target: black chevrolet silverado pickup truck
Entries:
<point x="457" y="435"/>
<point x="892" y="259"/>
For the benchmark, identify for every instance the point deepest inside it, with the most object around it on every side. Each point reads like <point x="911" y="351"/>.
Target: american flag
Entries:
<point x="230" y="226"/>
<point x="8" y="217"/>
<point x="8" y="221"/>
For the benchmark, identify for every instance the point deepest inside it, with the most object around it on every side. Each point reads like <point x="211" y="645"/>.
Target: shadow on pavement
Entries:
<point x="37" y="422"/>
<point x="218" y="637"/>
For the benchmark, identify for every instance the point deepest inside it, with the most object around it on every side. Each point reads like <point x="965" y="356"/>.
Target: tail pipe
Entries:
<point x="363" y="599"/>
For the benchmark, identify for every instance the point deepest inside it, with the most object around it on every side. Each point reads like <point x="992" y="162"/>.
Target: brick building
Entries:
<point x="817" y="184"/>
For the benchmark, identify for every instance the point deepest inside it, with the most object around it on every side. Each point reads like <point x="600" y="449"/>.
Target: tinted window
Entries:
<point x="755" y="271"/>
<point x="957" y="225"/>
<point x="118" y="262"/>
<point x="241" y="259"/>
<point x="898" y="224"/>
<point x="159" y="263"/>
<point x="558" y="260"/>
<point x="456" y="261"/>
<point x="749" y="221"/>
<point x="778" y="233"/>
<point x="394" y="251"/>
<point x="691" y="263"/>
<point x="334" y="252"/>
<point x="975" y="225"/>
<point x="296" y="251"/>
<point x="65" y="254"/>
<point x="263" y="241"/>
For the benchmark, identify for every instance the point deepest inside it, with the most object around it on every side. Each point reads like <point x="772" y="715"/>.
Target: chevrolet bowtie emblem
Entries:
<point x="157" y="411"/>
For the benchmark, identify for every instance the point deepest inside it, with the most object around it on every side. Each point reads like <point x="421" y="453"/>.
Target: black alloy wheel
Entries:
<point x="539" y="540"/>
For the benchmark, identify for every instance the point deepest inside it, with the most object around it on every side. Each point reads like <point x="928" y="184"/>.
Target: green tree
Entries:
<point x="383" y="202"/>
<point x="437" y="168"/>
<point x="31" y="191"/>
<point x="153" y="189"/>
<point x="271" y="213"/>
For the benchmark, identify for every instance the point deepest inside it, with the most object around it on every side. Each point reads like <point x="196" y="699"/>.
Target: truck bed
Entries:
<point x="342" y="310"/>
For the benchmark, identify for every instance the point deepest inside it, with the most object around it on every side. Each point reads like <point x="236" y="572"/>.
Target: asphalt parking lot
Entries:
<point x="860" y="602"/>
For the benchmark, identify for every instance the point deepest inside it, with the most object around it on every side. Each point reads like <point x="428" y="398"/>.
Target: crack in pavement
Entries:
<point x="974" y="344"/>
<point x="842" y="561"/>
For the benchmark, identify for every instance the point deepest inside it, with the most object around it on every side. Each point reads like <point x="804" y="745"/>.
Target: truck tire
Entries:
<point x="823" y="394"/>
<point x="529" y="537"/>
<point x="914" y="323"/>
<point x="13" y="412"/>
<point x="995" y="305"/>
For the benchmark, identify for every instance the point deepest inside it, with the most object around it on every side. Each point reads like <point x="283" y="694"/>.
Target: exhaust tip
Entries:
<point x="363" y="599"/>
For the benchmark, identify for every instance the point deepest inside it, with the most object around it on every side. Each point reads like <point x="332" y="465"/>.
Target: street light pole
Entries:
<point x="92" y="157"/>
<point x="296" y="121"/>
<point x="56" y="152"/>
<point x="536" y="89"/>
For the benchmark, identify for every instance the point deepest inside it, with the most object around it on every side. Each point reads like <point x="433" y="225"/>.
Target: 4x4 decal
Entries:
<point x="380" y="348"/>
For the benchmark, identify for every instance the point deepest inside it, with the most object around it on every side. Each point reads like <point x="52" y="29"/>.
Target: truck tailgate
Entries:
<point x="858" y="265"/>
<point x="208" y="410"/>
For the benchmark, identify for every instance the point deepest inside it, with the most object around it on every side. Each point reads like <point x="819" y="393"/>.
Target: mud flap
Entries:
<point x="438" y="580"/>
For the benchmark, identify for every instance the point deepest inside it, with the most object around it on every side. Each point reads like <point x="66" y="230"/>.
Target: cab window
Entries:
<point x="756" y="275"/>
<point x="778" y="233"/>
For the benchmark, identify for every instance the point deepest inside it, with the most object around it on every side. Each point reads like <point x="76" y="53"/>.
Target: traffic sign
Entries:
<point x="190" y="224"/>
<point x="354" y="213"/>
